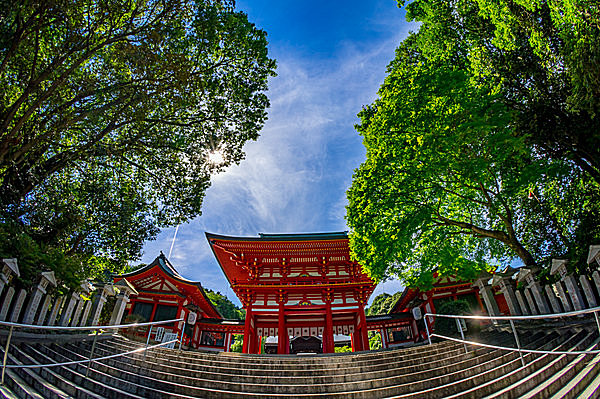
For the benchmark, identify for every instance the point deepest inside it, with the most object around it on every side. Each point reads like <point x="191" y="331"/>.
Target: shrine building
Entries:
<point x="296" y="285"/>
<point x="163" y="294"/>
<point x="298" y="290"/>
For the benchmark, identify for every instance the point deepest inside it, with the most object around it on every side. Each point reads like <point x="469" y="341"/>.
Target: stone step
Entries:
<point x="305" y="363"/>
<point x="557" y="374"/>
<point x="72" y="384"/>
<point x="188" y="385"/>
<point x="428" y="371"/>
<point x="21" y="388"/>
<point x="336" y="376"/>
<point x="296" y="390"/>
<point x="297" y="369"/>
<point x="586" y="384"/>
<point x="510" y="372"/>
<point x="8" y="394"/>
<point x="30" y="382"/>
<point x="306" y="360"/>
<point x="147" y="366"/>
<point x="592" y="390"/>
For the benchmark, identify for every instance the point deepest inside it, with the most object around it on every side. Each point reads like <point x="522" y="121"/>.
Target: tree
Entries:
<point x="110" y="112"/>
<point x="383" y="304"/>
<point x="376" y="306"/>
<point x="224" y="306"/>
<point x="446" y="182"/>
<point x="543" y="56"/>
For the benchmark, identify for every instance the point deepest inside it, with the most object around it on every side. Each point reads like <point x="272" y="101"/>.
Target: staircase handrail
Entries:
<point x="593" y="310"/>
<point x="79" y="328"/>
<point x="106" y="327"/>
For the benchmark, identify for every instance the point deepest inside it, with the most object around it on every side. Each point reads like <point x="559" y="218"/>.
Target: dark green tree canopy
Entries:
<point x="109" y="111"/>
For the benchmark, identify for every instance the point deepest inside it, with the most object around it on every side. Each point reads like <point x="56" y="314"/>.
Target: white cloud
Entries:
<point x="295" y="176"/>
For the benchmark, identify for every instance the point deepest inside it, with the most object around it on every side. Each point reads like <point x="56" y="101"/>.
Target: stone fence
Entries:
<point x="42" y="306"/>
<point x="572" y="292"/>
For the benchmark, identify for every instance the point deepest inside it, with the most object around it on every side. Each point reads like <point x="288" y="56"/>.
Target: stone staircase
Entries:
<point x="428" y="371"/>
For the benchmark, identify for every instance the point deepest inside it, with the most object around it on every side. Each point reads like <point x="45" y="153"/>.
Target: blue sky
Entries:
<point x="331" y="58"/>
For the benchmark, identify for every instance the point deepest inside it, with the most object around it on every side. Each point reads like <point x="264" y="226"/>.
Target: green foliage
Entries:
<point x="343" y="349"/>
<point x="109" y="112"/>
<point x="224" y="306"/>
<point x="33" y="257"/>
<point x="542" y="57"/>
<point x="383" y="304"/>
<point x="458" y="169"/>
<point x="238" y="343"/>
<point x="374" y="340"/>
<point x="447" y="326"/>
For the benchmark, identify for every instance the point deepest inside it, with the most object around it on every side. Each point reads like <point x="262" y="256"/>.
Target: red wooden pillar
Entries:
<point x="282" y="337"/>
<point x="328" y="340"/>
<point x="227" y="342"/>
<point x="364" y="337"/>
<point x="353" y="343"/>
<point x="247" y="330"/>
<point x="384" y="343"/>
<point x="253" y="340"/>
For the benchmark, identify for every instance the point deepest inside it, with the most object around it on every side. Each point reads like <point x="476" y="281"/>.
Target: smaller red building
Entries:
<point x="445" y="288"/>
<point x="163" y="294"/>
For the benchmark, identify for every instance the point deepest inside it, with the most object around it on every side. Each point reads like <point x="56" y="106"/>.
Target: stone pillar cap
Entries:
<point x="50" y="277"/>
<point x="87" y="287"/>
<point x="12" y="265"/>
<point x="557" y="264"/>
<point x="523" y="273"/>
<point x="497" y="279"/>
<point x="594" y="250"/>
<point x="124" y="285"/>
<point x="107" y="287"/>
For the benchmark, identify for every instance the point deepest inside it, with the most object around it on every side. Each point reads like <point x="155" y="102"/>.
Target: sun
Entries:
<point x="216" y="157"/>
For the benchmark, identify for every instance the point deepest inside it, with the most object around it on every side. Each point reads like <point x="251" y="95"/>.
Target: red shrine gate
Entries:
<point x="294" y="285"/>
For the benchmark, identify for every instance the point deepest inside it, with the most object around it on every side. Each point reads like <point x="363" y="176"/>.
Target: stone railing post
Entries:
<point x="47" y="280"/>
<point x="9" y="269"/>
<point x="564" y="298"/>
<point x="65" y="315"/>
<point x="103" y="291"/>
<point x="125" y="290"/>
<point x="587" y="290"/>
<point x="594" y="254"/>
<point x="522" y="304"/>
<point x="18" y="306"/>
<point x="533" y="289"/>
<point x="485" y="291"/>
<point x="560" y="266"/>
<point x="553" y="299"/>
<point x="10" y="292"/>
<point x="86" y="288"/>
<point x="507" y="290"/>
<point x="56" y="307"/>
<point x="44" y="310"/>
